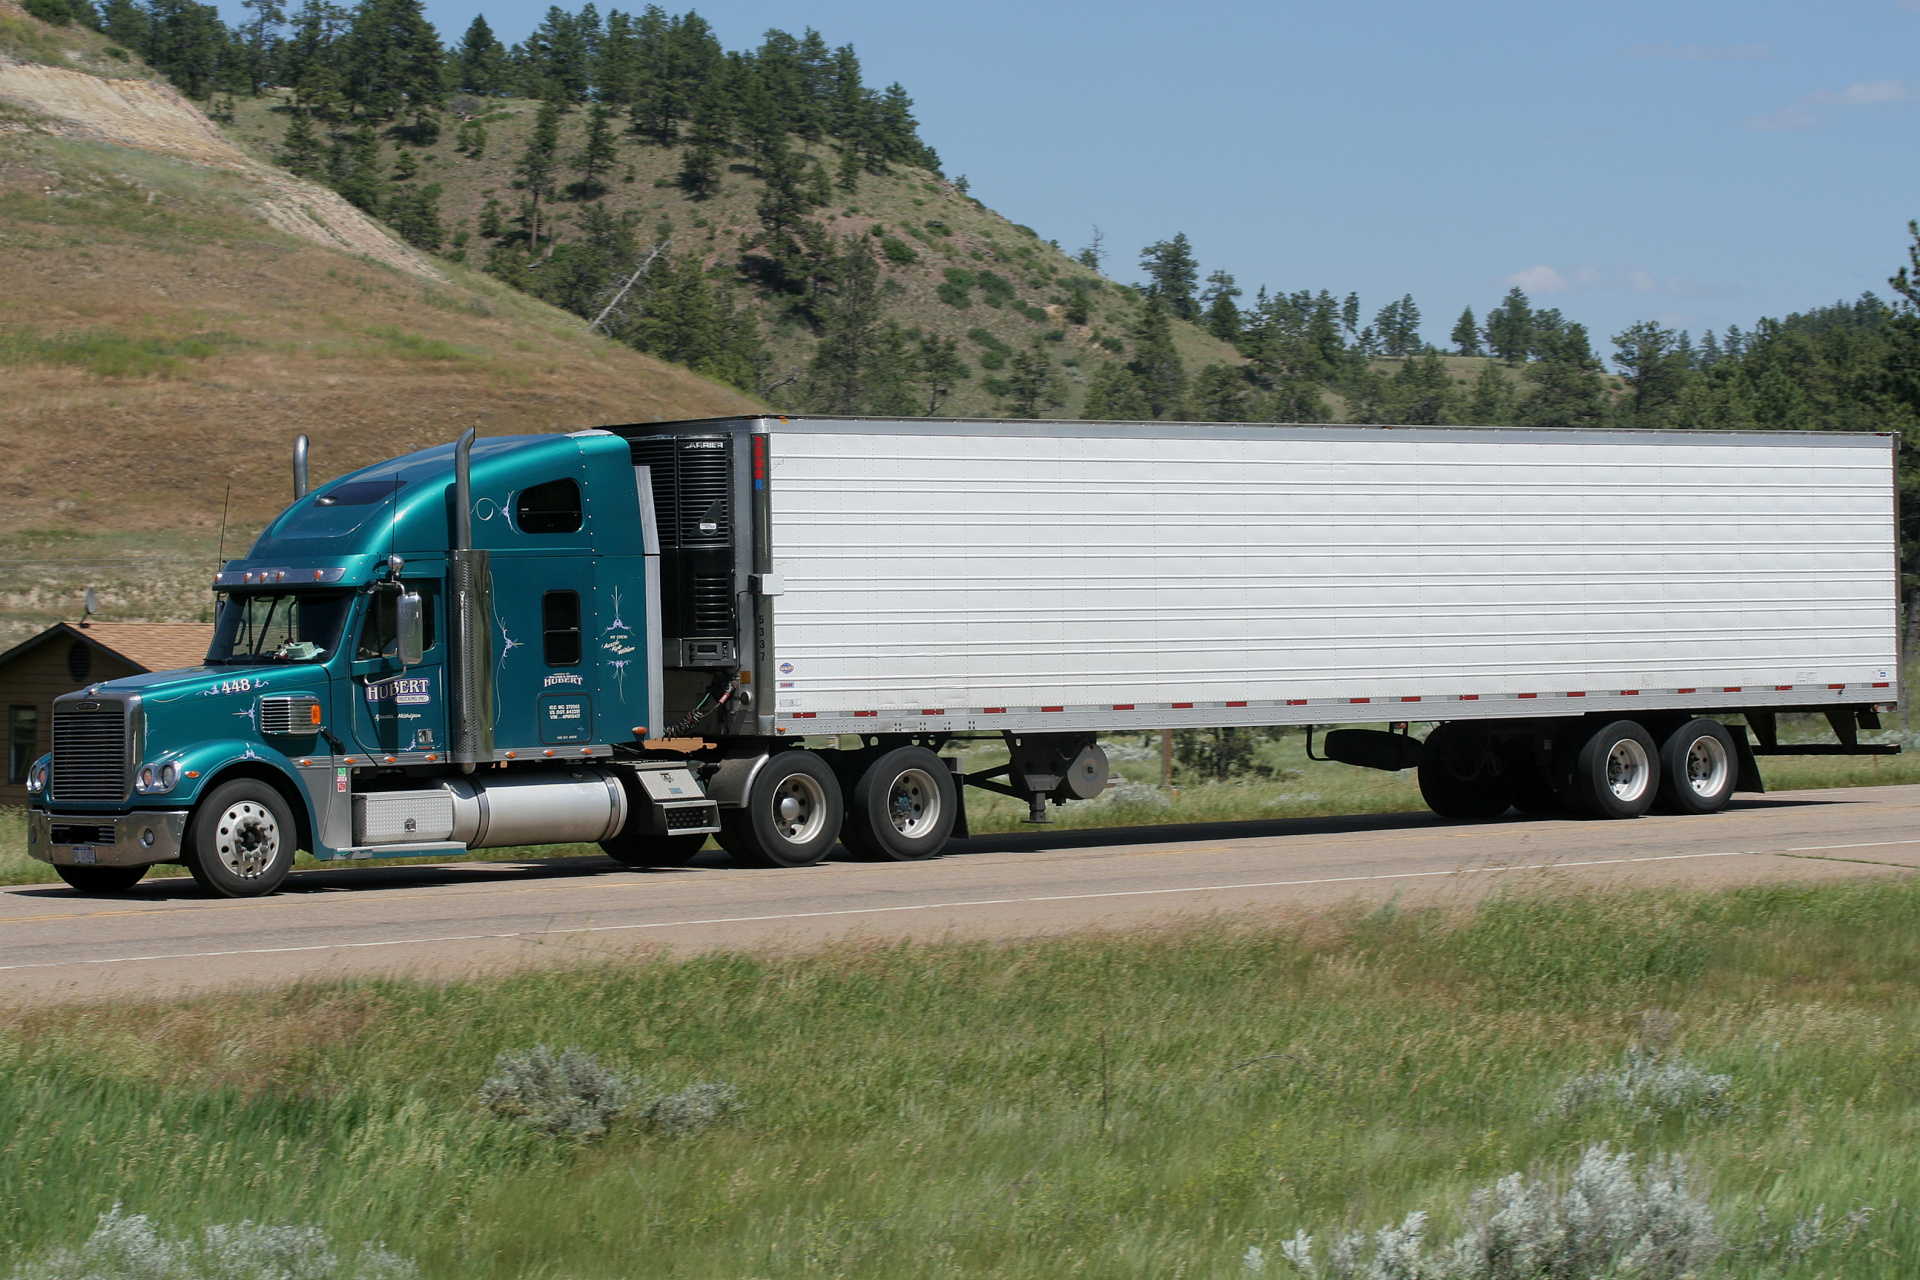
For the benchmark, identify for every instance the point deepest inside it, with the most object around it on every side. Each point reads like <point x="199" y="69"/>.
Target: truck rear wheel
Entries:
<point x="1697" y="768"/>
<point x="903" y="806"/>
<point x="240" y="840"/>
<point x="1460" y="775"/>
<point x="1616" y="773"/>
<point x="101" y="880"/>
<point x="792" y="816"/>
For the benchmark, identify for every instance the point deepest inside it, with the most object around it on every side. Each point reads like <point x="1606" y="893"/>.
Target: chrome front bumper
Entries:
<point x="105" y="840"/>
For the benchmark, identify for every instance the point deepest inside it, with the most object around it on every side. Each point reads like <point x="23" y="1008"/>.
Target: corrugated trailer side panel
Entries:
<point x="986" y="575"/>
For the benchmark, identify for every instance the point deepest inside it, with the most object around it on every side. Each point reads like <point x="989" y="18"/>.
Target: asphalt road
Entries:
<point x="165" y="938"/>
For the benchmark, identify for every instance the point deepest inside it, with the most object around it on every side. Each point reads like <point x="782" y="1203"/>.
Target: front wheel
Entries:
<point x="903" y="806"/>
<point x="240" y="840"/>
<point x="1616" y="773"/>
<point x="101" y="880"/>
<point x="792" y="816"/>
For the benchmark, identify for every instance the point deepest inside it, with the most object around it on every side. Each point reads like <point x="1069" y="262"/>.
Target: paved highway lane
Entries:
<point x="165" y="938"/>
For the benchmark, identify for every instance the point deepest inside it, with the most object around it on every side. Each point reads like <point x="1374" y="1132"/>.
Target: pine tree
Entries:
<point x="479" y="63"/>
<point x="391" y="59"/>
<point x="1220" y="394"/>
<point x="1510" y="327"/>
<point x="1222" y="313"/>
<point x="259" y="37"/>
<point x="187" y="42"/>
<point x="1466" y="334"/>
<point x="936" y="367"/>
<point x="597" y="153"/>
<point x="354" y="170"/>
<point x="1397" y="327"/>
<point x="301" y="151"/>
<point x="1156" y="366"/>
<point x="1568" y="390"/>
<point x="1114" y="395"/>
<point x="1172" y="274"/>
<point x="538" y="164"/>
<point x="414" y="214"/>
<point x="1491" y="402"/>
<point x="699" y="174"/>
<point x="1034" y="386"/>
<point x="1655" y="364"/>
<point x="1423" y="392"/>
<point x="857" y="364"/>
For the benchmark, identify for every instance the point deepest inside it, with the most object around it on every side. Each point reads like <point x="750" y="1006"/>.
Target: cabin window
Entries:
<point x="553" y="507"/>
<point x="23" y="734"/>
<point x="560" y="627"/>
<point x="380" y="633"/>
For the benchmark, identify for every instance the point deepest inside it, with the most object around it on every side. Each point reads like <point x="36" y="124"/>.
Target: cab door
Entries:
<point x="400" y="709"/>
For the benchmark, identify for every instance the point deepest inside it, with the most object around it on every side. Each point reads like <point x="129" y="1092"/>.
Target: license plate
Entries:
<point x="83" y="855"/>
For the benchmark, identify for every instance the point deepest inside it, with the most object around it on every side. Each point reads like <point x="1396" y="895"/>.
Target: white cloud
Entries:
<point x="1812" y="110"/>
<point x="1626" y="277"/>
<point x="1708" y="52"/>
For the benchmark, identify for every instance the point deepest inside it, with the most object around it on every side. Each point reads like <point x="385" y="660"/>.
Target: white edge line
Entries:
<point x="1870" y="844"/>
<point x="861" y="911"/>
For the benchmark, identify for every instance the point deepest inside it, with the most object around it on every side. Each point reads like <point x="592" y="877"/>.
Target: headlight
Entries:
<point x="37" y="775"/>
<point x="156" y="779"/>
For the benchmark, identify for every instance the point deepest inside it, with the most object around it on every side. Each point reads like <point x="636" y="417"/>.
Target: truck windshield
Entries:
<point x="278" y="626"/>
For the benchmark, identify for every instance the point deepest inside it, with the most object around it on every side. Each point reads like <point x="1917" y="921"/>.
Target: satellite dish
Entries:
<point x="92" y="603"/>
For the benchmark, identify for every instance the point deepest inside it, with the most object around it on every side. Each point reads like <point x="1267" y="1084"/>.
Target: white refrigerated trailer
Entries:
<point x="1577" y="612"/>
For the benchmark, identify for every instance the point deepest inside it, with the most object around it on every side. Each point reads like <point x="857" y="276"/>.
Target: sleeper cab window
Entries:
<point x="560" y="627"/>
<point x="553" y="507"/>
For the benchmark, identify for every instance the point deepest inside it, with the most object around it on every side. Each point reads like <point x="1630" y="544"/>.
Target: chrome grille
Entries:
<point x="289" y="715"/>
<point x="90" y="751"/>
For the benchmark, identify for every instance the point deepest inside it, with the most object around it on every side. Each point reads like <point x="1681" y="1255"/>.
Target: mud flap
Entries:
<point x="1749" y="779"/>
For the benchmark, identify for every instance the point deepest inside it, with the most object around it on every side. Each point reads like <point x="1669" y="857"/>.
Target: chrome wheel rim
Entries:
<point x="913" y="803"/>
<point x="1707" y="766"/>
<point x="799" y="809"/>
<point x="247" y="839"/>
<point x="1628" y="770"/>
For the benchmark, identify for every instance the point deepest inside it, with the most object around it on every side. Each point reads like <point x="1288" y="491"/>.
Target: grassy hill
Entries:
<point x="923" y="229"/>
<point x="164" y="337"/>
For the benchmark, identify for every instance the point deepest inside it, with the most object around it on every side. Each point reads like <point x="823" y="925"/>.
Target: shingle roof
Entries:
<point x="151" y="646"/>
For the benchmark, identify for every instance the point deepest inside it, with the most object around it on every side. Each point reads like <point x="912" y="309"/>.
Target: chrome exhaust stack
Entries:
<point x="470" y="597"/>
<point x="299" y="468"/>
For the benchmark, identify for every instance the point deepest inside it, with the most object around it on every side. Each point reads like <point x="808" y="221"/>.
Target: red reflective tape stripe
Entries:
<point x="1296" y="702"/>
<point x="1123" y="706"/>
<point x="1181" y="706"/>
<point x="1883" y="684"/>
<point x="1236" y="704"/>
<point x="1686" y="691"/>
<point x="1412" y="699"/>
<point x="1053" y="708"/>
<point x="933" y="711"/>
<point x="1529" y="695"/>
<point x="1629" y="693"/>
<point x="1783" y="688"/>
<point x="1836" y="686"/>
<point x="804" y="715"/>
<point x="1576" y="695"/>
<point x="1357" y="701"/>
<point x="1469" y="697"/>
<point x="866" y="713"/>
<point x="1732" y="688"/>
<point x="993" y="711"/>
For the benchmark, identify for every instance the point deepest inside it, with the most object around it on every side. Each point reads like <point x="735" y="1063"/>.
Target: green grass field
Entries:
<point x="1145" y="1104"/>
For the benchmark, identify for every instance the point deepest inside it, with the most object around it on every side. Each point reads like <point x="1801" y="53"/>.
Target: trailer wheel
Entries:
<point x="903" y="806"/>
<point x="1698" y="768"/>
<point x="634" y="850"/>
<point x="240" y="840"/>
<point x="792" y="815"/>
<point x="1460" y="776"/>
<point x="101" y="880"/>
<point x="1616" y="773"/>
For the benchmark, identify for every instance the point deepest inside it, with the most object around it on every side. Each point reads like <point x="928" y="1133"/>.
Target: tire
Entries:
<point x="903" y="806"/>
<point x="631" y="849"/>
<point x="1460" y="775"/>
<point x="240" y="840"/>
<point x="1616" y="773"/>
<point x="792" y="816"/>
<point x="1530" y="779"/>
<point x="101" y="880"/>
<point x="1698" y="768"/>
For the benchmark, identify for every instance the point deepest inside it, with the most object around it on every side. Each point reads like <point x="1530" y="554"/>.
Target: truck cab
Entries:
<point x="450" y="650"/>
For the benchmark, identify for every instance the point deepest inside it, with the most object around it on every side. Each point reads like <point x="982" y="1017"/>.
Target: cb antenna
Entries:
<point x="225" y="502"/>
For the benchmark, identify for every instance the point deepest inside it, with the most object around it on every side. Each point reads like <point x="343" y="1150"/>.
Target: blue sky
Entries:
<point x="1696" y="163"/>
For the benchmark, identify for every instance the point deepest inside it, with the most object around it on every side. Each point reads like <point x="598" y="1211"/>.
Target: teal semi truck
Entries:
<point x="765" y="630"/>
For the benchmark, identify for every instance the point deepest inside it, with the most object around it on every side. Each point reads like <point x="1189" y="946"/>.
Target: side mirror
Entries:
<point x="412" y="626"/>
